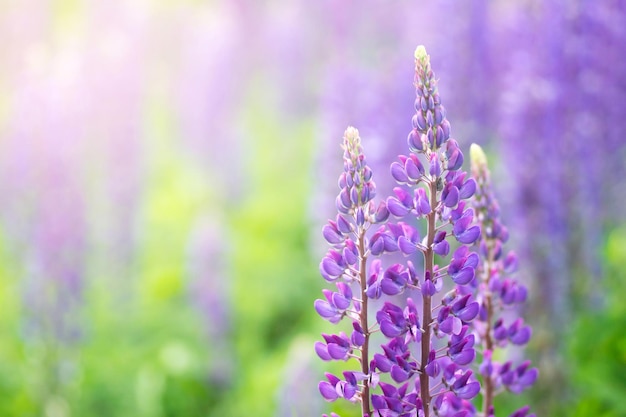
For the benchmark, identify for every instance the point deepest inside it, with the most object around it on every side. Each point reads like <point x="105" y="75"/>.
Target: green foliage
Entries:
<point x="597" y="346"/>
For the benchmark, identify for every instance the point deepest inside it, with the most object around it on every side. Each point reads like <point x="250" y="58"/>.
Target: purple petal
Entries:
<point x="391" y="287"/>
<point x="469" y="236"/>
<point x="349" y="256"/>
<point x="433" y="369"/>
<point x="398" y="374"/>
<point x="428" y="288"/>
<point x="469" y="312"/>
<point x="357" y="338"/>
<point x="382" y="213"/>
<point x="346" y="390"/>
<point x="423" y="205"/>
<point x="464" y="276"/>
<point x="403" y="197"/>
<point x="471" y="260"/>
<point x="377" y="245"/>
<point x="406" y="246"/>
<point x="464" y="357"/>
<point x="331" y="267"/>
<point x="328" y="391"/>
<point x="468" y="189"/>
<point x="343" y="225"/>
<point x="469" y="391"/>
<point x="529" y="377"/>
<point x="324" y="309"/>
<point x="451" y="325"/>
<point x="442" y="248"/>
<point x="398" y="173"/>
<point x="413" y="168"/>
<point x="462" y="224"/>
<point x="510" y="263"/>
<point x="337" y="351"/>
<point x="435" y="166"/>
<point x="378" y="402"/>
<point x="451" y="198"/>
<point x="340" y="301"/>
<point x="389" y="329"/>
<point x="396" y="208"/>
<point x="322" y="351"/>
<point x="344" y="198"/>
<point x="331" y="233"/>
<point x="414" y="141"/>
<point x="382" y="362"/>
<point x="522" y="336"/>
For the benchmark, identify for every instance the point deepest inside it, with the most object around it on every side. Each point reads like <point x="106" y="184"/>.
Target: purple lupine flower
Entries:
<point x="563" y="84"/>
<point x="210" y="292"/>
<point x="431" y="189"/>
<point x="347" y="262"/>
<point x="496" y="290"/>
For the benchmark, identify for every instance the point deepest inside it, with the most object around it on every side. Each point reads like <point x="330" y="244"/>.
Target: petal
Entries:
<point x="396" y="208"/>
<point x="451" y="197"/>
<point x="442" y="248"/>
<point x="464" y="276"/>
<point x="468" y="189"/>
<point x="382" y="362"/>
<point x="522" y="336"/>
<point x="337" y="351"/>
<point x="343" y="225"/>
<point x="469" y="312"/>
<point x="529" y="377"/>
<point x="331" y="233"/>
<point x="464" y="357"/>
<point x="324" y="308"/>
<point x="469" y="391"/>
<point x="398" y="374"/>
<point x="469" y="236"/>
<point x="406" y="246"/>
<point x="331" y="267"/>
<point x="328" y="391"/>
<point x="341" y="302"/>
<point x="322" y="351"/>
<point x="389" y="329"/>
<point x="413" y="168"/>
<point x="398" y="173"/>
<point x="414" y="141"/>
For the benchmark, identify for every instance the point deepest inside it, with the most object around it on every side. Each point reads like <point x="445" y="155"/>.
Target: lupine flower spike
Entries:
<point x="497" y="291"/>
<point x="346" y="264"/>
<point x="422" y="368"/>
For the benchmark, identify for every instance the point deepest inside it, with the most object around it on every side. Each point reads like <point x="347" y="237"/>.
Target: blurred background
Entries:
<point x="166" y="168"/>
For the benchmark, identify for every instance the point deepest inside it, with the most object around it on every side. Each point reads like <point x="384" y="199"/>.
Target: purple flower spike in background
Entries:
<point x="497" y="291"/>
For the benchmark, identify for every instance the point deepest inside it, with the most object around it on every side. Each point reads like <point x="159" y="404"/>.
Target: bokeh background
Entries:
<point x="166" y="168"/>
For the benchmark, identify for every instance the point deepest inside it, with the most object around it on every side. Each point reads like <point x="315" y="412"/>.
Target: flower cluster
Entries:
<point x="345" y="264"/>
<point x="497" y="291"/>
<point x="425" y="306"/>
<point x="433" y="311"/>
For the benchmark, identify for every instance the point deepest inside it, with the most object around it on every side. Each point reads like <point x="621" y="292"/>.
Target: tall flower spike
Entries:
<point x="347" y="261"/>
<point x="432" y="170"/>
<point x="496" y="290"/>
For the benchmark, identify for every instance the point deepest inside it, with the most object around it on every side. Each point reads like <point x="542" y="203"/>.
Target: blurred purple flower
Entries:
<point x="496" y="290"/>
<point x="210" y="290"/>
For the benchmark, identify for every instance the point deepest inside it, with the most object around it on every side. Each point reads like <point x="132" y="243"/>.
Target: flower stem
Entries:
<point x="365" y="397"/>
<point x="487" y="340"/>
<point x="426" y="304"/>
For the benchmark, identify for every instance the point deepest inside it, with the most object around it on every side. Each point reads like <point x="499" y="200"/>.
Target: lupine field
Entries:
<point x="306" y="208"/>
